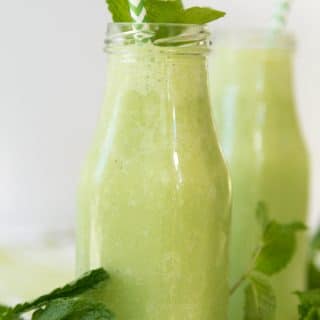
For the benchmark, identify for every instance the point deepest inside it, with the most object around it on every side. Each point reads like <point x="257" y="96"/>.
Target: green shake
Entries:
<point x="155" y="194"/>
<point x="257" y="123"/>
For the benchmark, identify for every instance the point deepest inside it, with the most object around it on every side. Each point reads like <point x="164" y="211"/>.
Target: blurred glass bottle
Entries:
<point x="255" y="114"/>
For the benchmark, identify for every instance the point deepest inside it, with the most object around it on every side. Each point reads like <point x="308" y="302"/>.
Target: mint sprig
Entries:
<point x="64" y="303"/>
<point x="164" y="12"/>
<point x="273" y="254"/>
<point x="3" y="309"/>
<point x="87" y="282"/>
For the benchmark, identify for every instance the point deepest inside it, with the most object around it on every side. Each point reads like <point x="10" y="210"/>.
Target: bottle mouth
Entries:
<point x="253" y="39"/>
<point x="158" y="34"/>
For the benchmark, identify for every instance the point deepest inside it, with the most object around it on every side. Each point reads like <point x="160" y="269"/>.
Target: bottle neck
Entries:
<point x="148" y="70"/>
<point x="156" y="106"/>
<point x="157" y="93"/>
<point x="253" y="95"/>
<point x="261" y="78"/>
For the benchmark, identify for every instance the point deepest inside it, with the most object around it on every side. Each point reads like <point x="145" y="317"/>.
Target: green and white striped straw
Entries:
<point x="137" y="10"/>
<point x="280" y="16"/>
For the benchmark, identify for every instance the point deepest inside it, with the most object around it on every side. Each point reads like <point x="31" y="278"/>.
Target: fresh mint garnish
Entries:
<point x="65" y="303"/>
<point x="70" y="309"/>
<point x="5" y="313"/>
<point x="3" y="309"/>
<point x="158" y="11"/>
<point x="198" y="15"/>
<point x="163" y="11"/>
<point x="260" y="300"/>
<point x="278" y="246"/>
<point x="273" y="254"/>
<point x="119" y="10"/>
<point x="87" y="282"/>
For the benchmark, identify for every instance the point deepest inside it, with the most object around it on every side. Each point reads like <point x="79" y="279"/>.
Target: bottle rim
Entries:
<point x="168" y="24"/>
<point x="189" y="38"/>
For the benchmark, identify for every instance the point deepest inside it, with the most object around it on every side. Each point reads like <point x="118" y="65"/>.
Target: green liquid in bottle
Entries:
<point x="261" y="139"/>
<point x="155" y="196"/>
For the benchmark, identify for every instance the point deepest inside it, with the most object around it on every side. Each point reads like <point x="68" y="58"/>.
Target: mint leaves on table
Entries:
<point x="87" y="282"/>
<point x="66" y="303"/>
<point x="159" y="11"/>
<point x="272" y="255"/>
<point x="3" y="309"/>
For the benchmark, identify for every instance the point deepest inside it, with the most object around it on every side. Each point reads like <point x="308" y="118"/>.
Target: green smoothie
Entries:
<point x="257" y="123"/>
<point x="155" y="193"/>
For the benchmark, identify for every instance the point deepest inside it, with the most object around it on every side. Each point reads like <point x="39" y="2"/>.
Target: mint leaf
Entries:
<point x="309" y="307"/>
<point x="174" y="12"/>
<point x="159" y="11"/>
<point x="278" y="247"/>
<point x="3" y="309"/>
<point x="6" y="313"/>
<point x="92" y="311"/>
<point x="260" y="300"/>
<point x="77" y="309"/>
<point x="87" y="282"/>
<point x="198" y="15"/>
<point x="65" y="303"/>
<point x="119" y="10"/>
<point x="164" y="11"/>
<point x="56" y="309"/>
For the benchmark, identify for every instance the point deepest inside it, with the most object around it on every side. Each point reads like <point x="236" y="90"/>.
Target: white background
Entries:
<point x="52" y="78"/>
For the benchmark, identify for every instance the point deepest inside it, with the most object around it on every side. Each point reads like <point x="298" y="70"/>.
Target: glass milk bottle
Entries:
<point x="255" y="113"/>
<point x="155" y="193"/>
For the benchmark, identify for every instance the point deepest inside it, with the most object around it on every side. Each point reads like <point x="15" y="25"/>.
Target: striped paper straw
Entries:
<point x="280" y="16"/>
<point x="137" y="10"/>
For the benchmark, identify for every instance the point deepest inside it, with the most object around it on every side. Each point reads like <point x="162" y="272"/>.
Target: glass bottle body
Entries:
<point x="258" y="127"/>
<point x="155" y="195"/>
